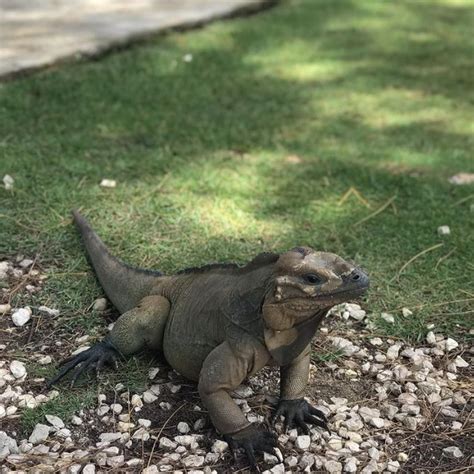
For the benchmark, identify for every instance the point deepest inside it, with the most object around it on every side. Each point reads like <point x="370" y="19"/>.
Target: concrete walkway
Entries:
<point x="36" y="33"/>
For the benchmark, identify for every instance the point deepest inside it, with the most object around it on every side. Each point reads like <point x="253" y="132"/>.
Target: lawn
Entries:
<point x="253" y="146"/>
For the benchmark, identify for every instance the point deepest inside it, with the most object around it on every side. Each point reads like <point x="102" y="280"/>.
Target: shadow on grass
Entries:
<point x="364" y="92"/>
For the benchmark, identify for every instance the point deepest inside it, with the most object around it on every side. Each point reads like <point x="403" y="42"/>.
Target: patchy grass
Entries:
<point x="64" y="405"/>
<point x="251" y="147"/>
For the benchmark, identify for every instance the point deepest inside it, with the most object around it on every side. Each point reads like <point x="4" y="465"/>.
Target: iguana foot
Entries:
<point x="299" y="412"/>
<point x="97" y="356"/>
<point x="252" y="440"/>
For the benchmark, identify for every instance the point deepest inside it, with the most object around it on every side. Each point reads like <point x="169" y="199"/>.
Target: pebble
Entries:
<point x="108" y="183"/>
<point x="350" y="465"/>
<point x="402" y="457"/>
<point x="453" y="452"/>
<point x="344" y="345"/>
<point x="149" y="397"/>
<point x="8" y="182"/>
<point x="100" y="304"/>
<point x="431" y="338"/>
<point x="109" y="437"/>
<point x="193" y="461"/>
<point x="45" y="360"/>
<point x="219" y="446"/>
<point x="183" y="427"/>
<point x="444" y="230"/>
<point x="393" y="351"/>
<point x="55" y="421"/>
<point x="5" y="308"/>
<point x="388" y="318"/>
<point x="376" y="341"/>
<point x="393" y="466"/>
<point x="460" y="362"/>
<point x="153" y="372"/>
<point x="48" y="311"/>
<point x="333" y="466"/>
<point x="303" y="442"/>
<point x="21" y="316"/>
<point x="8" y="445"/>
<point x="39" y="434"/>
<point x="88" y="469"/>
<point x="167" y="443"/>
<point x="17" y="369"/>
<point x="450" y="344"/>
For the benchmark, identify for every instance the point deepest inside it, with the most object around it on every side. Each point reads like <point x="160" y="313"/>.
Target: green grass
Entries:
<point x="371" y="95"/>
<point x="65" y="405"/>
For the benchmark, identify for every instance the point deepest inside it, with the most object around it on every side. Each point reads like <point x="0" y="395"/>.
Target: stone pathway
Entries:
<point x="35" y="33"/>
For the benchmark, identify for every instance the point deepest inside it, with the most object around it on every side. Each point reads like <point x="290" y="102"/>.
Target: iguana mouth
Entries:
<point x="350" y="293"/>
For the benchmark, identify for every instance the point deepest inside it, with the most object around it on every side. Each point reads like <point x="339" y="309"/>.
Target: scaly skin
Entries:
<point x="220" y="324"/>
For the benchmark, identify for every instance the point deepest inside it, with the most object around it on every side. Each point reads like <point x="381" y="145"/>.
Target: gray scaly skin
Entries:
<point x="219" y="324"/>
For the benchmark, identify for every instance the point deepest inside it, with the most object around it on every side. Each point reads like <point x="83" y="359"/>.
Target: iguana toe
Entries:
<point x="253" y="441"/>
<point x="298" y="413"/>
<point x="96" y="356"/>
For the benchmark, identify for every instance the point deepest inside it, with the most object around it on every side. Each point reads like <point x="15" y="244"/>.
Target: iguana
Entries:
<point x="221" y="323"/>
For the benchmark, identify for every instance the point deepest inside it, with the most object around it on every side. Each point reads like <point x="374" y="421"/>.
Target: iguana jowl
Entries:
<point x="220" y="324"/>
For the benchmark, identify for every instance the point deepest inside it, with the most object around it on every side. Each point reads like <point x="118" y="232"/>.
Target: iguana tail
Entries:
<point x="124" y="285"/>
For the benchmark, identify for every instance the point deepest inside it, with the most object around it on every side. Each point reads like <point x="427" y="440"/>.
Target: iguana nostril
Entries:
<point x="355" y="277"/>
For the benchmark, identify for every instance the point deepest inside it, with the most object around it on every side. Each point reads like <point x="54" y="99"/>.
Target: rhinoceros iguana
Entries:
<point x="222" y="323"/>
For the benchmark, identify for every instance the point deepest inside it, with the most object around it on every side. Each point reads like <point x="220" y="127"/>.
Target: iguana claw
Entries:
<point x="251" y="441"/>
<point x="299" y="412"/>
<point x="97" y="356"/>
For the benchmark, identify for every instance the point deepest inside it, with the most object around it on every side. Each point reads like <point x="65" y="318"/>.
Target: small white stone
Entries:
<point x="431" y="338"/>
<point x="333" y="467"/>
<point x="303" y="442"/>
<point x="402" y="457"/>
<point x="116" y="408"/>
<point x="444" y="230"/>
<point x="5" y="308"/>
<point x="460" y="362"/>
<point x="167" y="443"/>
<point x="149" y="397"/>
<point x="75" y="420"/>
<point x="21" y="316"/>
<point x="108" y="183"/>
<point x="39" y="434"/>
<point x="141" y="434"/>
<point x="350" y="465"/>
<point x="392" y="352"/>
<point x="55" y="421"/>
<point x="393" y="466"/>
<point x="88" y="469"/>
<point x="376" y="341"/>
<point x="8" y="182"/>
<point x="173" y="388"/>
<point x="102" y="410"/>
<point x="450" y="344"/>
<point x="48" y="311"/>
<point x="17" y="369"/>
<point x="411" y="423"/>
<point x="219" y="446"/>
<point x="193" y="461"/>
<point x="136" y="402"/>
<point x="188" y="57"/>
<point x="153" y="372"/>
<point x="453" y="452"/>
<point x="100" y="304"/>
<point x="388" y="318"/>
<point x="185" y="440"/>
<point x="116" y="461"/>
<point x="406" y="312"/>
<point x="45" y="360"/>
<point x="183" y="427"/>
<point x="109" y="437"/>
<point x="144" y="422"/>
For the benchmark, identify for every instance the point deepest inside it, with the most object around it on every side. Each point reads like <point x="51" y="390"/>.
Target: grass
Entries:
<point x="251" y="147"/>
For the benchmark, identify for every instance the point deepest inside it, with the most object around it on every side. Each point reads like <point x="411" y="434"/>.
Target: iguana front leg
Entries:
<point x="292" y="406"/>
<point x="224" y="370"/>
<point x="139" y="328"/>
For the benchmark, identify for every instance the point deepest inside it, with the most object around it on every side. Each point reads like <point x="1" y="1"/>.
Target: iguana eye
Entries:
<point x="312" y="279"/>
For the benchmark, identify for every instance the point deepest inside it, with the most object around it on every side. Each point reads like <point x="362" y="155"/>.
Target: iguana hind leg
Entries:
<point x="141" y="327"/>
<point x="137" y="329"/>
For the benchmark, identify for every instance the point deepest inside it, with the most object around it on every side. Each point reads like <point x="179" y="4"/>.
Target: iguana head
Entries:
<point x="306" y="282"/>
